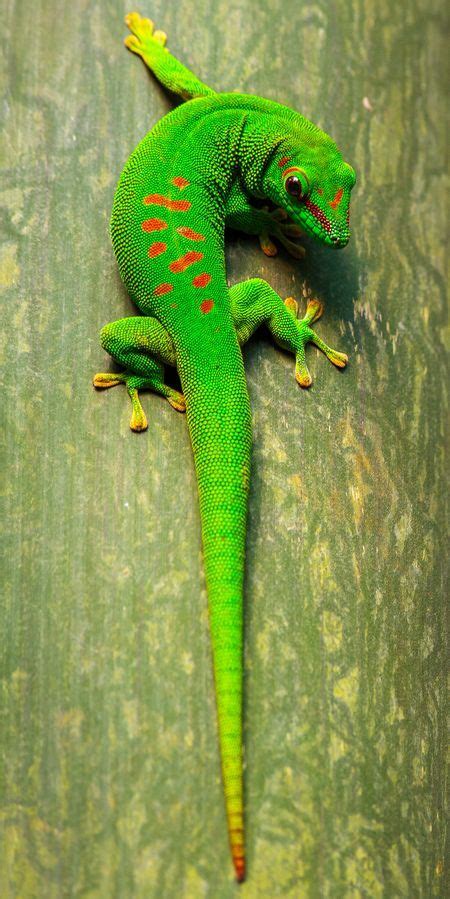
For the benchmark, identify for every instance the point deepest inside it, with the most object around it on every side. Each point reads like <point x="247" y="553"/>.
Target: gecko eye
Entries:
<point x="294" y="186"/>
<point x="297" y="185"/>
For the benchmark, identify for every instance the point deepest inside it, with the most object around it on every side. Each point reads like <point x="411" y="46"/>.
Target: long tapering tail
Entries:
<point x="218" y="412"/>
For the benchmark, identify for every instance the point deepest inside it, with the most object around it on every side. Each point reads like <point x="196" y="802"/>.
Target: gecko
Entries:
<point x="217" y="160"/>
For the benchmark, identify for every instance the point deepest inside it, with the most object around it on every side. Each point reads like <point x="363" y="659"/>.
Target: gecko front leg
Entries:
<point x="266" y="224"/>
<point x="254" y="303"/>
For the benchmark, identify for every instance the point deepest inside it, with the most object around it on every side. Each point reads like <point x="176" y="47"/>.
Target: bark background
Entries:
<point x="110" y="778"/>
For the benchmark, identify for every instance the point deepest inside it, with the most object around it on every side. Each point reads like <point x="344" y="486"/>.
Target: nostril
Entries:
<point x="334" y="238"/>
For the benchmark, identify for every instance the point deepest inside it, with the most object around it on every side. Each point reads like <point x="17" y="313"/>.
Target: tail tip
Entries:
<point x="239" y="867"/>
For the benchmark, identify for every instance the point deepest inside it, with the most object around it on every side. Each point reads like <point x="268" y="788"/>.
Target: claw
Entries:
<point x="138" y="418"/>
<point x="302" y="375"/>
<point x="313" y="312"/>
<point x="139" y="25"/>
<point x="133" y="384"/>
<point x="138" y="423"/>
<point x="107" y="379"/>
<point x="295" y="249"/>
<point x="132" y="43"/>
<point x="267" y="245"/>
<point x="338" y="359"/>
<point x="177" y="401"/>
<point x="142" y="33"/>
<point x="286" y="229"/>
<point x="293" y="230"/>
<point x="292" y="305"/>
<point x="279" y="214"/>
<point x="160" y="37"/>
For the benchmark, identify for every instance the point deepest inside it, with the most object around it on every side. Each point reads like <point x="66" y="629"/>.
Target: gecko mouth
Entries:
<point x="314" y="223"/>
<point x="317" y="225"/>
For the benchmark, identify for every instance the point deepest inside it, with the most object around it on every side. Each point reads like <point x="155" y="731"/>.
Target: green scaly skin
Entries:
<point x="209" y="163"/>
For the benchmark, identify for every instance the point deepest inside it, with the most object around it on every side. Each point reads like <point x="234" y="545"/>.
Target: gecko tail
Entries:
<point x="239" y="867"/>
<point x="150" y="46"/>
<point x="225" y="618"/>
<point x="219" y="420"/>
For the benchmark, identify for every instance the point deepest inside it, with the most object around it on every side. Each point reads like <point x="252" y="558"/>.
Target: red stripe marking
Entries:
<point x="190" y="234"/>
<point x="180" y="182"/>
<point x="160" y="200"/>
<point x="283" y="161"/>
<point x="201" y="280"/>
<point x="318" y="214"/>
<point x="162" y="288"/>
<point x="154" y="225"/>
<point x="337" y="199"/>
<point x="292" y="168"/>
<point x="206" y="306"/>
<point x="156" y="249"/>
<point x="179" y="265"/>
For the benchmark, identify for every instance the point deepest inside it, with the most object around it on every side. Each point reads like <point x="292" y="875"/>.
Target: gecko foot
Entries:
<point x="105" y="379"/>
<point x="142" y="33"/>
<point x="313" y="312"/>
<point x="283" y="229"/>
<point x="134" y="383"/>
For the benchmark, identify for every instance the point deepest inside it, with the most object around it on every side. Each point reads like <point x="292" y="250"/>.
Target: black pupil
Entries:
<point x="294" y="186"/>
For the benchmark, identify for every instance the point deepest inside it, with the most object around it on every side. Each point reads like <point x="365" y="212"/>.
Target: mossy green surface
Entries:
<point x="110" y="773"/>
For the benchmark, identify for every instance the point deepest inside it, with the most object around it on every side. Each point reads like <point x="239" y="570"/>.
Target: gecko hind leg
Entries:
<point x="142" y="346"/>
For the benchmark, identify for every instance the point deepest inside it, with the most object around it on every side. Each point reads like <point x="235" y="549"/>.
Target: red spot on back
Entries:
<point x="156" y="249"/>
<point x="162" y="289"/>
<point x="180" y="182"/>
<point x="206" y="306"/>
<point x="319" y="191"/>
<point x="283" y="161"/>
<point x="160" y="200"/>
<point x="190" y="234"/>
<point x="337" y="198"/>
<point x="154" y="225"/>
<point x="179" y="265"/>
<point x="201" y="280"/>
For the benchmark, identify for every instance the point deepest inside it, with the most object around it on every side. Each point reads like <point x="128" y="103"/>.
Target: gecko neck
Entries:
<point x="251" y="131"/>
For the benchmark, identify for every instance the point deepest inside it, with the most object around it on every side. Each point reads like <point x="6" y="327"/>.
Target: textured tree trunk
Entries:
<point x="110" y="785"/>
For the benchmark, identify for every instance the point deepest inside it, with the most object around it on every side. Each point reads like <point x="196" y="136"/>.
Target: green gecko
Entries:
<point x="209" y="164"/>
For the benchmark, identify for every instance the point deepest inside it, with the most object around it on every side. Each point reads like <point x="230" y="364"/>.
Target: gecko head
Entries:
<point x="310" y="180"/>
